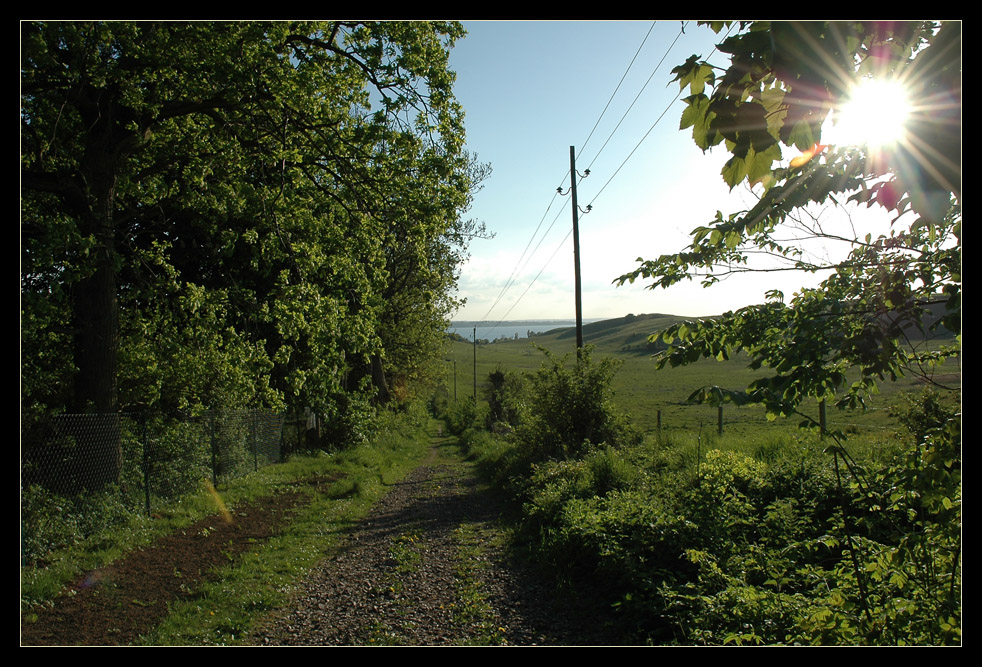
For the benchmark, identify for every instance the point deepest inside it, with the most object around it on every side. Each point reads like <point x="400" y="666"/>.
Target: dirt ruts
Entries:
<point x="116" y="604"/>
<point x="428" y="566"/>
<point x="424" y="569"/>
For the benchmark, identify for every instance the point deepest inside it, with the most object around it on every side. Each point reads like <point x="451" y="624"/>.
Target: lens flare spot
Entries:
<point x="805" y="157"/>
<point x="93" y="578"/>
<point x="219" y="503"/>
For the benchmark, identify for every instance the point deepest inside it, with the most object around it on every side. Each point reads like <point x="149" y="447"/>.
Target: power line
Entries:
<point x="518" y="265"/>
<point x="544" y="266"/>
<point x="510" y="282"/>
<point x="655" y="70"/>
<point x="548" y="261"/>
<point x="638" y="145"/>
<point x="538" y="245"/>
<point x="624" y="76"/>
<point x="657" y="120"/>
<point x="516" y="270"/>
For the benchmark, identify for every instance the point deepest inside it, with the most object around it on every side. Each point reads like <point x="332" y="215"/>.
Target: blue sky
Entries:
<point x="533" y="89"/>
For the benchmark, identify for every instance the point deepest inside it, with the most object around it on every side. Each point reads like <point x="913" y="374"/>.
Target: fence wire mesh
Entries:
<point x="81" y="473"/>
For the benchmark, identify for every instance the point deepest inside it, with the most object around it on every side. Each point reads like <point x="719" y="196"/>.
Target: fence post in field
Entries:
<point x="146" y="461"/>
<point x="296" y="414"/>
<point x="214" y="452"/>
<point x="283" y="451"/>
<point x="719" y="419"/>
<point x="821" y="418"/>
<point x="254" y="427"/>
<point x="658" y="419"/>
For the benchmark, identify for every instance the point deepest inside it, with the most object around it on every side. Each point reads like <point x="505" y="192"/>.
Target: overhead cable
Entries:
<point x="650" y="77"/>
<point x="624" y="76"/>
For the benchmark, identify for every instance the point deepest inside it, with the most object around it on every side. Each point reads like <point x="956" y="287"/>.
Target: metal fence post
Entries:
<point x="256" y="430"/>
<point x="214" y="452"/>
<point x="283" y="446"/>
<point x="146" y="461"/>
<point x="296" y="414"/>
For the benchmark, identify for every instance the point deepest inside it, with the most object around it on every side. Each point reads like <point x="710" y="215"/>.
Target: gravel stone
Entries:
<point x="397" y="578"/>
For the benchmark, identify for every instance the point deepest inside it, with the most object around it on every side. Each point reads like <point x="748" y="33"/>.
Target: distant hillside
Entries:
<point x="935" y="312"/>
<point x="640" y="389"/>
<point x="629" y="334"/>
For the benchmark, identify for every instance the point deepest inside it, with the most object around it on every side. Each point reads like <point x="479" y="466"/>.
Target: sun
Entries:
<point x="875" y="115"/>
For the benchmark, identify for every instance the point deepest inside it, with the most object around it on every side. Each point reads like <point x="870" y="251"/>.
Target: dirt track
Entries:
<point x="116" y="604"/>
<point x="426" y="567"/>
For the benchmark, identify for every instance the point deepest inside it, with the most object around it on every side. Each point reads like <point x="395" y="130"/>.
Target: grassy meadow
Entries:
<point x="641" y="391"/>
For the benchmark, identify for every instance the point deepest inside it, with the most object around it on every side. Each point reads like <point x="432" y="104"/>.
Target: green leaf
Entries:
<point x="801" y="136"/>
<point x="734" y="171"/>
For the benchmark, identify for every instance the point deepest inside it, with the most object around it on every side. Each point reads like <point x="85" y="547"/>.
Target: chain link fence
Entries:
<point x="81" y="473"/>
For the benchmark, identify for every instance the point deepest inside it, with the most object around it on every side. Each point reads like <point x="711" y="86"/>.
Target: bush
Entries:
<point x="463" y="415"/>
<point x="349" y="420"/>
<point x="790" y="546"/>
<point x="570" y="407"/>
<point x="608" y="471"/>
<point x="507" y="400"/>
<point x="923" y="412"/>
<point x="50" y="521"/>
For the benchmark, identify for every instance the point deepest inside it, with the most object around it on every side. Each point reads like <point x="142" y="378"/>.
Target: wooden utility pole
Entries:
<point x="475" y="364"/>
<point x="576" y="253"/>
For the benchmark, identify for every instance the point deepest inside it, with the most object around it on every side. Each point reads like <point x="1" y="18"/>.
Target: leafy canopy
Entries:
<point x="783" y="82"/>
<point x="245" y="200"/>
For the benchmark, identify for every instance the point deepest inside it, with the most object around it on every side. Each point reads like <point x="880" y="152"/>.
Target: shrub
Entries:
<point x="569" y="407"/>
<point x="50" y="521"/>
<point x="608" y="471"/>
<point x="349" y="420"/>
<point x="507" y="400"/>
<point x="463" y="415"/>
<point x="920" y="413"/>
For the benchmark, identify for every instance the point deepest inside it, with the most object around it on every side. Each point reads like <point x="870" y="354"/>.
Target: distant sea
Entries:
<point x="508" y="329"/>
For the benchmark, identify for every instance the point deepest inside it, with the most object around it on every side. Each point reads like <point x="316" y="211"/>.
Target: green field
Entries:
<point x="766" y="534"/>
<point x="641" y="391"/>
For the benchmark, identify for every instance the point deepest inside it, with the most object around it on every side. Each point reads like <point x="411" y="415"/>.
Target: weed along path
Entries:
<point x="426" y="567"/>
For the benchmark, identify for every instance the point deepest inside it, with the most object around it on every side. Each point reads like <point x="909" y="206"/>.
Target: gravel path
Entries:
<point x="428" y="567"/>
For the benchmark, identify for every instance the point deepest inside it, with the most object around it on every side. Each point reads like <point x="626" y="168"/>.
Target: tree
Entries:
<point x="205" y="205"/>
<point x="896" y="577"/>
<point x="782" y="82"/>
<point x="425" y="245"/>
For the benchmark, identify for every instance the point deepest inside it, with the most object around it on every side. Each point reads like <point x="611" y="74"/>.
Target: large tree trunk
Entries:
<point x="378" y="379"/>
<point x="95" y="315"/>
<point x="95" y="305"/>
<point x="96" y="348"/>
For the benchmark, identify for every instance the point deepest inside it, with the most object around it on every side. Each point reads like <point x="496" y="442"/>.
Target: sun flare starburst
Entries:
<point x="875" y="115"/>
